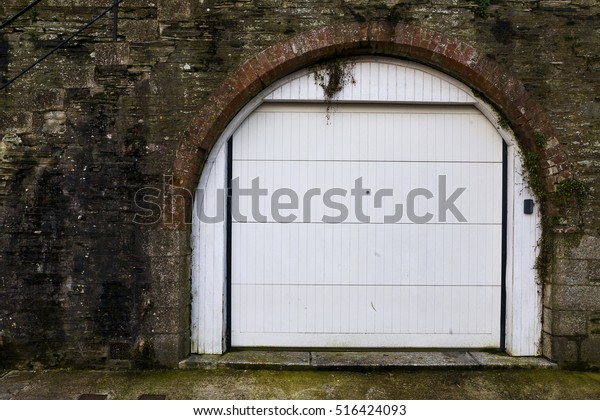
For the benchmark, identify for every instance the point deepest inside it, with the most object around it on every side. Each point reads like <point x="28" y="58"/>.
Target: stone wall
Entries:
<point x="82" y="285"/>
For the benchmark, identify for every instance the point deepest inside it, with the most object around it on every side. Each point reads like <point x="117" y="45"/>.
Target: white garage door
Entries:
<point x="424" y="271"/>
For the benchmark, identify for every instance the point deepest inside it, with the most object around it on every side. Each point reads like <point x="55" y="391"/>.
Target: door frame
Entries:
<point x="521" y="302"/>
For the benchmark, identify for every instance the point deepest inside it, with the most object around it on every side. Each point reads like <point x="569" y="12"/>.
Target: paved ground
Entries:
<point x="227" y="383"/>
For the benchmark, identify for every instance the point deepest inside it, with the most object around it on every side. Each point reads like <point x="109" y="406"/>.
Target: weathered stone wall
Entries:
<point x="82" y="285"/>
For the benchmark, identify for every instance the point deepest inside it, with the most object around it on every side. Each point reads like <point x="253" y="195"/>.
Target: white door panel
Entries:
<point x="363" y="316"/>
<point x="366" y="254"/>
<point x="478" y="203"/>
<point x="352" y="284"/>
<point x="376" y="132"/>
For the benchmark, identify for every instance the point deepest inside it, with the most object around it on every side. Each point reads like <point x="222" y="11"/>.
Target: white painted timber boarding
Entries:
<point x="209" y="261"/>
<point x="523" y="292"/>
<point x="351" y="284"/>
<point x="380" y="81"/>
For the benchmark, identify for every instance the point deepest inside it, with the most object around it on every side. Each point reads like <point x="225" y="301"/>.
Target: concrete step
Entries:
<point x="324" y="360"/>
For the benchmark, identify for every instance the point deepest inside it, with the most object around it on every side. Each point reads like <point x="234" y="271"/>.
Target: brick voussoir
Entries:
<point x="423" y="38"/>
<point x="380" y="33"/>
<point x="403" y="35"/>
<point x="517" y="92"/>
<point x="469" y="56"/>
<point x="438" y="44"/>
<point x="450" y="50"/>
<point x="207" y="139"/>
<point x="422" y="54"/>
<point x="313" y="43"/>
<point x="534" y="111"/>
<point x="246" y="80"/>
<point x="527" y="132"/>
<point x="327" y="37"/>
<point x="488" y="70"/>
<point x="197" y="128"/>
<point x="264" y="67"/>
<point x="249" y="73"/>
<point x="514" y="111"/>
<point x="352" y="35"/>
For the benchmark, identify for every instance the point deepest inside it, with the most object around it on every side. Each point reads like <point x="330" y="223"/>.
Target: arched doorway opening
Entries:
<point x="461" y="281"/>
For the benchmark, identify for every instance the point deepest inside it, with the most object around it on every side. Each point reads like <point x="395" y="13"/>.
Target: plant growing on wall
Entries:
<point x="571" y="190"/>
<point x="332" y="77"/>
<point x="482" y="8"/>
<point x="568" y="192"/>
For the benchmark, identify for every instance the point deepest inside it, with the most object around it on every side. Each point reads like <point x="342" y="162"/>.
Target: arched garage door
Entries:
<point x="376" y="226"/>
<point x="426" y="269"/>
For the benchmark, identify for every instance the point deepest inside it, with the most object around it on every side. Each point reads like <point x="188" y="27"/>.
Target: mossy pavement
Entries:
<point x="225" y="383"/>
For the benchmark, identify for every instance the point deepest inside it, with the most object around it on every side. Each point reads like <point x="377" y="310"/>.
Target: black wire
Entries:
<point x="18" y="15"/>
<point x="62" y="44"/>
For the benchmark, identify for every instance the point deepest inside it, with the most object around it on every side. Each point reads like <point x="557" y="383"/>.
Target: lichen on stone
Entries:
<point x="12" y="138"/>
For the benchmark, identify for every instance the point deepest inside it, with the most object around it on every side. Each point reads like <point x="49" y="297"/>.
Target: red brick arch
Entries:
<point x="456" y="58"/>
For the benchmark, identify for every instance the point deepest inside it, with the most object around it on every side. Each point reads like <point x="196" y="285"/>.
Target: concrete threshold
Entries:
<point x="323" y="360"/>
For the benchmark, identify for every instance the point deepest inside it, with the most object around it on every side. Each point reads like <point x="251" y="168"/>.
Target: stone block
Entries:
<point x="54" y="123"/>
<point x="552" y="4"/>
<point x="499" y="360"/>
<point x="170" y="349"/>
<point x="78" y="3"/>
<point x="593" y="272"/>
<point x="584" y="298"/>
<point x="138" y="4"/>
<point x="547" y="295"/>
<point x="78" y="76"/>
<point x="145" y="30"/>
<point x="200" y="361"/>
<point x="377" y="360"/>
<point x="547" y="320"/>
<point x="571" y="271"/>
<point x="590" y="349"/>
<point x="594" y="323"/>
<point x="15" y="122"/>
<point x="288" y="360"/>
<point x="559" y="349"/>
<point x="41" y="99"/>
<point x="158" y="159"/>
<point x="174" y="9"/>
<point x="546" y="345"/>
<point x="170" y="282"/>
<point x="111" y="53"/>
<point x="569" y="323"/>
<point x="167" y="320"/>
<point x="167" y="243"/>
<point x="586" y="248"/>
